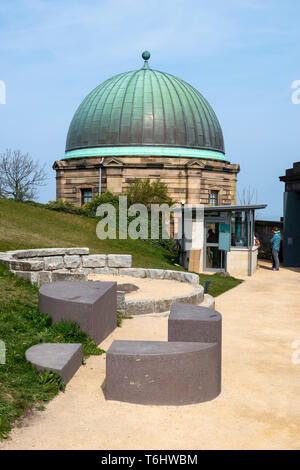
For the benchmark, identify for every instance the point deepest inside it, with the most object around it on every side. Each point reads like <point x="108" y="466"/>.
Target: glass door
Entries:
<point x="214" y="259"/>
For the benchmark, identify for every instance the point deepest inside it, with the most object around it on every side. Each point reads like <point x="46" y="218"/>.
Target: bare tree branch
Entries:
<point x="247" y="196"/>
<point x="20" y="175"/>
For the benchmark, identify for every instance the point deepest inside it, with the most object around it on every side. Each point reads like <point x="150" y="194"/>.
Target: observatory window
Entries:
<point x="213" y="198"/>
<point x="86" y="196"/>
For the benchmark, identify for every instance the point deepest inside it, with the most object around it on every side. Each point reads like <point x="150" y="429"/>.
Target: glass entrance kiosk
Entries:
<point x="227" y="234"/>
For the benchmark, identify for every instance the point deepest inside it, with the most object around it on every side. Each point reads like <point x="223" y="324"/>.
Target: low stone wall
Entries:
<point x="142" y="307"/>
<point x="46" y="265"/>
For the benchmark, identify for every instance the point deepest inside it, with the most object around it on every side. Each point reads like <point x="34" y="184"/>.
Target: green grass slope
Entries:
<point x="23" y="226"/>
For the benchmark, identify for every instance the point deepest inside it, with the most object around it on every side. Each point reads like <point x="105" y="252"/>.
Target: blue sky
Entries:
<point x="242" y="55"/>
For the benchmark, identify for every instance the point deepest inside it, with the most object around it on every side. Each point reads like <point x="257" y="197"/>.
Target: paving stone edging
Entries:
<point x="147" y="306"/>
<point x="46" y="265"/>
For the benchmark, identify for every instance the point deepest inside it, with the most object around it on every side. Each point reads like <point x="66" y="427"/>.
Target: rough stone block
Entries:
<point x="77" y="251"/>
<point x="93" y="261"/>
<point x="155" y="273"/>
<point x="139" y="307"/>
<point x="39" y="252"/>
<point x="209" y="301"/>
<point x="119" y="261"/>
<point x="121" y="301"/>
<point x="72" y="261"/>
<point x="64" y="275"/>
<point x="92" y="305"/>
<point x="63" y="358"/>
<point x="53" y="262"/>
<point x="134" y="272"/>
<point x="28" y="265"/>
<point x="105" y="271"/>
<point x="163" y="305"/>
<point x="172" y="275"/>
<point x="86" y="271"/>
<point x="45" y="277"/>
<point x="31" y="276"/>
<point x="191" y="278"/>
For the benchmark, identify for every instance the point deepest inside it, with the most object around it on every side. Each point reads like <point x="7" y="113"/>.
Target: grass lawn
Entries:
<point x="21" y="325"/>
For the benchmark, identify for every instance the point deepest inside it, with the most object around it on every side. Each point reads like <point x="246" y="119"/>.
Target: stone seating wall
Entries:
<point x="46" y="265"/>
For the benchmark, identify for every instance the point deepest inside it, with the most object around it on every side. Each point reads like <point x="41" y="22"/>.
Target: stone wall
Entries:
<point x="141" y="307"/>
<point x="46" y="265"/>
<point x="188" y="179"/>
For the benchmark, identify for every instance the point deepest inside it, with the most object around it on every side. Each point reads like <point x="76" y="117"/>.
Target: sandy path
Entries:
<point x="148" y="288"/>
<point x="259" y="407"/>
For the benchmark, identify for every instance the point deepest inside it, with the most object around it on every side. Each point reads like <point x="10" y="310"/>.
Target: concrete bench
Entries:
<point x="162" y="373"/>
<point x="194" y="323"/>
<point x="59" y="357"/>
<point x="184" y="370"/>
<point x="92" y="305"/>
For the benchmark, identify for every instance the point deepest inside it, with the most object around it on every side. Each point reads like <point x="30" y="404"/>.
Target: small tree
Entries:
<point x="247" y="196"/>
<point x="20" y="175"/>
<point x="142" y="191"/>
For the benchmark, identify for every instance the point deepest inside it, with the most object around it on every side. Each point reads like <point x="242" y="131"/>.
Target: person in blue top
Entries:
<point x="275" y="241"/>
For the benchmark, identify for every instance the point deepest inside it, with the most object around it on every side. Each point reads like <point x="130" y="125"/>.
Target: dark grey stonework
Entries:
<point x="194" y="323"/>
<point x="58" y="357"/>
<point x="184" y="370"/>
<point x="92" y="305"/>
<point x="162" y="373"/>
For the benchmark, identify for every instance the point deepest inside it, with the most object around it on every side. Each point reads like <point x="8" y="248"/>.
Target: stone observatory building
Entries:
<point x="146" y="124"/>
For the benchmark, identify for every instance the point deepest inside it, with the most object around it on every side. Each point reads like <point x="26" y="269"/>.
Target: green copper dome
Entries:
<point x="145" y="112"/>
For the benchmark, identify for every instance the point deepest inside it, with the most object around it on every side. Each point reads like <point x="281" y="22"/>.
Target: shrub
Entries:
<point x="142" y="191"/>
<point x="90" y="208"/>
<point x="63" y="206"/>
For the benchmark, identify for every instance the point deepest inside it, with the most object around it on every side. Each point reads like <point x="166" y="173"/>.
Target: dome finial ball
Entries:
<point x="146" y="55"/>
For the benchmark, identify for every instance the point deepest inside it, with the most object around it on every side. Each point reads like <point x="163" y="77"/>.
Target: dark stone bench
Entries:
<point x="186" y="369"/>
<point x="162" y="373"/>
<point x="59" y="357"/>
<point x="92" y="305"/>
<point x="194" y="323"/>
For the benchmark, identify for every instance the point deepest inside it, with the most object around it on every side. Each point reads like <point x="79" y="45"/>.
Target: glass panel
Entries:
<point x="213" y="198"/>
<point x="214" y="258"/>
<point x="86" y="195"/>
<point x="212" y="232"/>
<point x="239" y="228"/>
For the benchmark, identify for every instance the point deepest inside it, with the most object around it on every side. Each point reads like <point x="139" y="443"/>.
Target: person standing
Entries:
<point x="275" y="241"/>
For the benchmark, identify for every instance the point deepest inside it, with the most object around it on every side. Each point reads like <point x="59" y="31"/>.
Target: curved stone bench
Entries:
<point x="184" y="370"/>
<point x="64" y="358"/>
<point x="162" y="373"/>
<point x="92" y="305"/>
